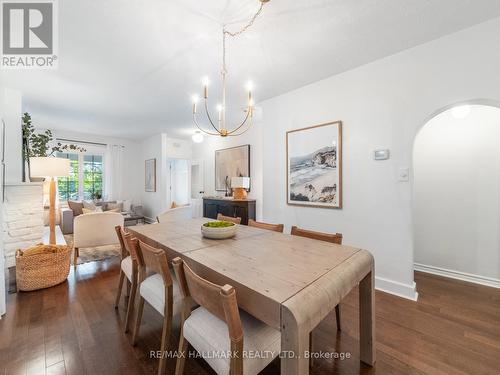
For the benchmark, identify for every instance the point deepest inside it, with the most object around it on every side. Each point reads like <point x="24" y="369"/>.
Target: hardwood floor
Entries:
<point x="73" y="328"/>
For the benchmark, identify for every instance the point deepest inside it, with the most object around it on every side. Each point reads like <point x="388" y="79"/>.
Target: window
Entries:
<point x="92" y="176"/>
<point x="86" y="177"/>
<point x="68" y="186"/>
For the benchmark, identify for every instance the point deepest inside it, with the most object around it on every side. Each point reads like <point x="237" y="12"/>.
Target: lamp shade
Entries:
<point x="240" y="182"/>
<point x="49" y="167"/>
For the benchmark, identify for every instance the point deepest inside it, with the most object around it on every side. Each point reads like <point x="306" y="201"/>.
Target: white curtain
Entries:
<point x="113" y="173"/>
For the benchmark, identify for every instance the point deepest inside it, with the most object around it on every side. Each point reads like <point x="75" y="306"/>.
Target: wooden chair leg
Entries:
<point x="138" y="319"/>
<point x="165" y="336"/>
<point x="75" y="259"/>
<point x="337" y="316"/>
<point x="311" y="359"/>
<point x="182" y="353"/>
<point x="130" y="307"/>
<point x="128" y="288"/>
<point x="119" y="293"/>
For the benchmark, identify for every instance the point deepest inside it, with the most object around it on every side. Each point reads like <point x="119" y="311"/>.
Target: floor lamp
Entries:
<point x="50" y="167"/>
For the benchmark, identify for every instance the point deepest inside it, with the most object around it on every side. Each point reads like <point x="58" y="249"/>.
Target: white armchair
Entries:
<point x="95" y="229"/>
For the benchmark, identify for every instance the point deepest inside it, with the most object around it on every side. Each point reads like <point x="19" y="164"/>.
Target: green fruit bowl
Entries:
<point x="218" y="230"/>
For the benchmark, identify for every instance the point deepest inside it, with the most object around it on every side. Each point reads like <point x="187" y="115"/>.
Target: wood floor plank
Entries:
<point x="73" y="329"/>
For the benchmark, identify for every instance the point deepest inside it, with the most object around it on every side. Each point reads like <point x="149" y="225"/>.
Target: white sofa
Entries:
<point x="95" y="229"/>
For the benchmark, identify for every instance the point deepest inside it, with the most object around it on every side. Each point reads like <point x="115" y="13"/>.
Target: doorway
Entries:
<point x="197" y="187"/>
<point x="456" y="213"/>
<point x="179" y="183"/>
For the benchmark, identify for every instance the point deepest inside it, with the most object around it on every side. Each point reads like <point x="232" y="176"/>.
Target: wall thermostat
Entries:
<point x="381" y="154"/>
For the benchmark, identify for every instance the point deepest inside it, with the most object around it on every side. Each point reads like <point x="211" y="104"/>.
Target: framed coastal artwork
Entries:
<point x="314" y="166"/>
<point x="150" y="175"/>
<point x="231" y="162"/>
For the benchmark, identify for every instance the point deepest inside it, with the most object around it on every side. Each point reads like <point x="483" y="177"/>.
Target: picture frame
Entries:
<point x="150" y="175"/>
<point x="231" y="162"/>
<point x="314" y="166"/>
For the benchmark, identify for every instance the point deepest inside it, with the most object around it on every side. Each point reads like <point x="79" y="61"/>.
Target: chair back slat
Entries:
<point x="236" y="220"/>
<point x="128" y="246"/>
<point x="132" y="246"/>
<point x="155" y="260"/>
<point x="261" y="225"/>
<point x="120" y="233"/>
<point x="328" y="237"/>
<point x="218" y="300"/>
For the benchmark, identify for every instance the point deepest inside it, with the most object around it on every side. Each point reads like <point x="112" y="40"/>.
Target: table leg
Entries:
<point x="294" y="345"/>
<point x="367" y="319"/>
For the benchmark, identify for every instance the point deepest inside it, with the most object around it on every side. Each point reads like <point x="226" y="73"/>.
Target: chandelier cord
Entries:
<point x="236" y="33"/>
<point x="250" y="23"/>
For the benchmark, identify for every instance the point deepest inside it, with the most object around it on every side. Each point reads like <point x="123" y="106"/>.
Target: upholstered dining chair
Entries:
<point x="327" y="237"/>
<point x="176" y="214"/>
<point x="236" y="220"/>
<point x="159" y="290"/>
<point x="128" y="270"/>
<point x="218" y="326"/>
<point x="261" y="225"/>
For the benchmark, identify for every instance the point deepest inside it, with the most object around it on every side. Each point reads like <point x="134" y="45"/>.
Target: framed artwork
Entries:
<point x="150" y="175"/>
<point x="231" y="162"/>
<point x="314" y="166"/>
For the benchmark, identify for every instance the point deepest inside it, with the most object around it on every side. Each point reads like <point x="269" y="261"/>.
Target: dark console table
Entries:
<point x="229" y="207"/>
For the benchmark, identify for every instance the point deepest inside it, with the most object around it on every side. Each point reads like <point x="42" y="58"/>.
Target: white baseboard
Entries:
<point x="483" y="280"/>
<point x="399" y="289"/>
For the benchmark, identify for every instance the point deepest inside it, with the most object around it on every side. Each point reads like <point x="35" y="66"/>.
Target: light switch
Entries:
<point x="404" y="174"/>
<point x="381" y="154"/>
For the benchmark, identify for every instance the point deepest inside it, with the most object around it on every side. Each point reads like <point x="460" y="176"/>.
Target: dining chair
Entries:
<point x="176" y="214"/>
<point x="129" y="270"/>
<point x="236" y="220"/>
<point x="261" y="225"/>
<point x="218" y="326"/>
<point x="327" y="237"/>
<point x="159" y="290"/>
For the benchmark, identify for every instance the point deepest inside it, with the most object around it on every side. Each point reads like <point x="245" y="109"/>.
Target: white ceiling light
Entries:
<point x="460" y="112"/>
<point x="197" y="137"/>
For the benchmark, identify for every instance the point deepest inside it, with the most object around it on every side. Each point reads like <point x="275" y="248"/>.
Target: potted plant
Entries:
<point x="40" y="144"/>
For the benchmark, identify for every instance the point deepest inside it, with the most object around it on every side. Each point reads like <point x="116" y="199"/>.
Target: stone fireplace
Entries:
<point x="22" y="218"/>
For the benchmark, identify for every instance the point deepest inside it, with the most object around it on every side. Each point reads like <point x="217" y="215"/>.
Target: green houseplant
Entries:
<point x="40" y="144"/>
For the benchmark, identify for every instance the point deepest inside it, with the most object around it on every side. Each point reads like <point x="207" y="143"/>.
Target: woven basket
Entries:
<point x="46" y="267"/>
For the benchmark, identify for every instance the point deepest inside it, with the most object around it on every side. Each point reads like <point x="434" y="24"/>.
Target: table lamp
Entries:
<point x="50" y="167"/>
<point x="239" y="186"/>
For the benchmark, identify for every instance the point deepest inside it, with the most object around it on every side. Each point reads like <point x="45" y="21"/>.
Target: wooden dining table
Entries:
<point x="288" y="282"/>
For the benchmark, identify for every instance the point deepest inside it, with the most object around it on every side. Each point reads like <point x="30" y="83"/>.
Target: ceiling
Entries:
<point x="130" y="68"/>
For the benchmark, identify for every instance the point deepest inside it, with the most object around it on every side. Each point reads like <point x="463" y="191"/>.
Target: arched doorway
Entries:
<point x="456" y="191"/>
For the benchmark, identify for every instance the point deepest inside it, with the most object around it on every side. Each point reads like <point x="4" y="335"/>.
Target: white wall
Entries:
<point x="154" y="202"/>
<point x="457" y="193"/>
<point x="11" y="112"/>
<point x="160" y="147"/>
<point x="382" y="105"/>
<point x="206" y="151"/>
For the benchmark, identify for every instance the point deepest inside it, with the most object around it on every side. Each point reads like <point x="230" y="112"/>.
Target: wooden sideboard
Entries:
<point x="244" y="208"/>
